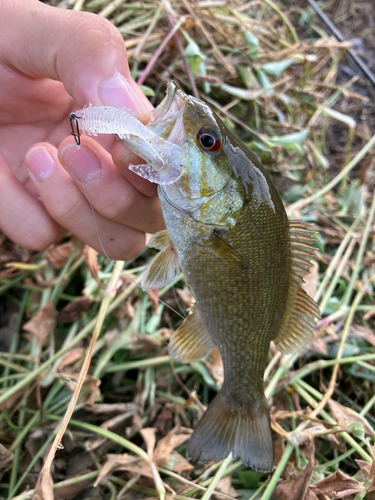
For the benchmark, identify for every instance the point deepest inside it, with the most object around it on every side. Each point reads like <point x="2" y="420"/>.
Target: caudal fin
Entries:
<point x="226" y="428"/>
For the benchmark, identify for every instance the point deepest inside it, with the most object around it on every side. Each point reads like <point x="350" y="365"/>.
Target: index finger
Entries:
<point x="80" y="49"/>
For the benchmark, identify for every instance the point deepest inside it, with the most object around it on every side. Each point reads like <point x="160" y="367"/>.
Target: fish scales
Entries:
<point x="241" y="304"/>
<point x="227" y="230"/>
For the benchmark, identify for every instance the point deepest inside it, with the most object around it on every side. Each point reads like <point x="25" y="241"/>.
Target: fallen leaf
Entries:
<point x="177" y="463"/>
<point x="126" y="309"/>
<point x="363" y="333"/>
<point x="215" y="366"/>
<point x="92" y="263"/>
<point x="149" y="438"/>
<point x="74" y="310"/>
<point x="71" y="357"/>
<point x="298" y="487"/>
<point x="44" y="487"/>
<point x="6" y="457"/>
<point x="42" y="324"/>
<point x="337" y="485"/>
<point x="320" y="346"/>
<point x="58" y="255"/>
<point x="186" y="296"/>
<point x="368" y="471"/>
<point x="144" y="342"/>
<point x="310" y="283"/>
<point x="11" y="400"/>
<point x="176" y="437"/>
<point x="124" y="462"/>
<point x="154" y="297"/>
<point x="346" y="416"/>
<point x="71" y="491"/>
<point x="225" y="486"/>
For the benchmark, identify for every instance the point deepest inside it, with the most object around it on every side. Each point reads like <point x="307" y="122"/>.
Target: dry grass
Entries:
<point x="281" y="82"/>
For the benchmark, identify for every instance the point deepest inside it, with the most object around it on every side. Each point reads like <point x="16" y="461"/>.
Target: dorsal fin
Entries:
<point x="164" y="267"/>
<point x="191" y="340"/>
<point x="302" y="313"/>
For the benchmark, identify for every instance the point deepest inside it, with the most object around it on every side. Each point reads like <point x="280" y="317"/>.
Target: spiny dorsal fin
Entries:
<point x="302" y="247"/>
<point x="302" y="313"/>
<point x="191" y="340"/>
<point x="163" y="269"/>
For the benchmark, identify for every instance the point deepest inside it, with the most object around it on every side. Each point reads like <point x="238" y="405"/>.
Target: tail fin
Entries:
<point x="226" y="428"/>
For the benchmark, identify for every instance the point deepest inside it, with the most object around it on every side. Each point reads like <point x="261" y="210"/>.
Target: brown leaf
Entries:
<point x="124" y="462"/>
<point x="337" y="485"/>
<point x="44" y="487"/>
<point x="320" y="346"/>
<point x="149" y="438"/>
<point x="71" y="491"/>
<point x="154" y="297"/>
<point x="9" y="402"/>
<point x="368" y="471"/>
<point x="310" y="284"/>
<point x="225" y="486"/>
<point x="42" y="324"/>
<point x="363" y="333"/>
<point x="346" y="416"/>
<point x="186" y="296"/>
<point x="144" y="342"/>
<point x="176" y="437"/>
<point x="6" y="457"/>
<point x="92" y="263"/>
<point x="71" y="357"/>
<point x="75" y="309"/>
<point x="59" y="254"/>
<point x="215" y="366"/>
<point x="126" y="309"/>
<point x="177" y="463"/>
<point x="298" y="488"/>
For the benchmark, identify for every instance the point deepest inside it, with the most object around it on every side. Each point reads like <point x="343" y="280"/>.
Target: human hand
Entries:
<point x="52" y="62"/>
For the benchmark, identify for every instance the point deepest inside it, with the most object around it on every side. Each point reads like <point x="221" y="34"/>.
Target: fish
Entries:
<point x="228" y="232"/>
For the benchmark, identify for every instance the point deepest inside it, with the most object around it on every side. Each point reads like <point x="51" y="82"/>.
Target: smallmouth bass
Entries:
<point x="227" y="230"/>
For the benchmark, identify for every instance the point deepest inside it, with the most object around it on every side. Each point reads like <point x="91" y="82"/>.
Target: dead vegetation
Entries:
<point x="285" y="86"/>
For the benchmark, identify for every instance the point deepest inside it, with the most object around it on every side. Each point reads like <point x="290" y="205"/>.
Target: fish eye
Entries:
<point x="209" y="139"/>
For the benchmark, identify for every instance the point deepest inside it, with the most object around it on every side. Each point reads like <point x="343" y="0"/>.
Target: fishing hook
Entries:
<point x="75" y="128"/>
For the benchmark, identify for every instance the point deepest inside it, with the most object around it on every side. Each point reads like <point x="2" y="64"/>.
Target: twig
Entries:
<point x="359" y="62"/>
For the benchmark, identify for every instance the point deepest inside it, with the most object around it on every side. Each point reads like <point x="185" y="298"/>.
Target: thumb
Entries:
<point x="82" y="50"/>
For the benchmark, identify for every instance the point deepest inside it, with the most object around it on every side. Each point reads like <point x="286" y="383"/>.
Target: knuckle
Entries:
<point x="39" y="238"/>
<point x="120" y="210"/>
<point x="95" y="31"/>
<point x="64" y="213"/>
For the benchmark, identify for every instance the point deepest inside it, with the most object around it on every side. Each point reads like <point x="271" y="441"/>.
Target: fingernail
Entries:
<point x="119" y="93"/>
<point x="40" y="163"/>
<point x="82" y="163"/>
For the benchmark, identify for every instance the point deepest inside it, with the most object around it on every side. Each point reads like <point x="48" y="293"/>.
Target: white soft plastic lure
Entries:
<point x="165" y="161"/>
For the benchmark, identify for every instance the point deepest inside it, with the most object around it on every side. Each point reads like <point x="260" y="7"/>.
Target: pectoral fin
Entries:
<point x="163" y="269"/>
<point x="159" y="240"/>
<point x="191" y="340"/>
<point x="302" y="313"/>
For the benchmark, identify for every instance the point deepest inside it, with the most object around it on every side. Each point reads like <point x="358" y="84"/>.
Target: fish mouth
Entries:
<point x="167" y="117"/>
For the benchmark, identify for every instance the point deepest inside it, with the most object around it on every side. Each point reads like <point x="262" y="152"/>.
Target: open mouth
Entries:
<point x="167" y="117"/>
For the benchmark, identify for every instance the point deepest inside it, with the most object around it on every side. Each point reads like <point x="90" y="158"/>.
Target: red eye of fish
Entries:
<point x="209" y="139"/>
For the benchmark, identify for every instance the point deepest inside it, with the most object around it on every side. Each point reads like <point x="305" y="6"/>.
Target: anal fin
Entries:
<point x="191" y="340"/>
<point x="302" y="313"/>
